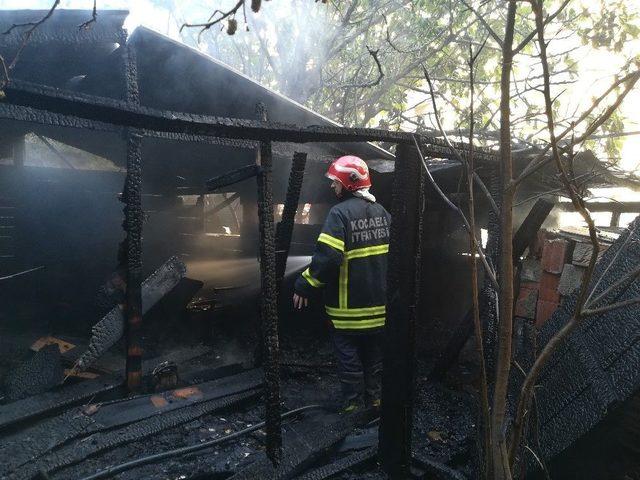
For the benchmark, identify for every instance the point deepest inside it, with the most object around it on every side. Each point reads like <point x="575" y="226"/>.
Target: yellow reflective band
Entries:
<point x="356" y="312"/>
<point x="331" y="241"/>
<point x="367" y="251"/>
<point x="343" y="285"/>
<point x="312" y="281"/>
<point x="358" y="324"/>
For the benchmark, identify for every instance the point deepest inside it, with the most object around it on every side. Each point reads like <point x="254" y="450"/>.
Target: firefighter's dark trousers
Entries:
<point x="359" y="361"/>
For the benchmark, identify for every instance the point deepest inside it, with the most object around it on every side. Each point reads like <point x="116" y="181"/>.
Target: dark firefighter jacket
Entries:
<point x="350" y="264"/>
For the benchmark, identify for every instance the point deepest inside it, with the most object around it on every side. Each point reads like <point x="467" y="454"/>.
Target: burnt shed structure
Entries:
<point x="132" y="127"/>
<point x="60" y="186"/>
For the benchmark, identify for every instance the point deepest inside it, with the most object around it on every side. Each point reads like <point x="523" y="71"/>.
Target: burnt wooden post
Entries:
<point x="615" y="218"/>
<point x="269" y="301"/>
<point x="284" y="230"/>
<point x="19" y="151"/>
<point x="397" y="378"/>
<point x="133" y="227"/>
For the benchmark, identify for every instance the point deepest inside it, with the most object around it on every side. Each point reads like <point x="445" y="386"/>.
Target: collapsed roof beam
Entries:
<point x="51" y="106"/>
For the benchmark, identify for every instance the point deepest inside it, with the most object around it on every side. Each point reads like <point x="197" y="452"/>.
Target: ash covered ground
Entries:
<point x="444" y="422"/>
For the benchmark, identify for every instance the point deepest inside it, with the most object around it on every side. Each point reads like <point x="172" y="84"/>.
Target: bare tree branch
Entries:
<point x="373" y="83"/>
<point x="455" y="152"/>
<point x="478" y="246"/>
<point x="94" y="17"/>
<point x="33" y="25"/>
<point x="25" y="39"/>
<point x="526" y="392"/>
<point x="623" y="282"/>
<point x="214" y="21"/>
<point x="484" y="22"/>
<point x="548" y="20"/>
<point x="485" y="417"/>
<point x="607" y="308"/>
<point x="541" y="160"/>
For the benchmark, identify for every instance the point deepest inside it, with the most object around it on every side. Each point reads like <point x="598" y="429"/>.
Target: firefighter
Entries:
<point x="349" y="265"/>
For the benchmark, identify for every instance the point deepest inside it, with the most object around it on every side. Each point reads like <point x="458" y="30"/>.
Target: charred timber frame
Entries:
<point x="402" y="279"/>
<point x="284" y="230"/>
<point x="50" y="106"/>
<point x="269" y="305"/>
<point x="133" y="226"/>
<point x="44" y="105"/>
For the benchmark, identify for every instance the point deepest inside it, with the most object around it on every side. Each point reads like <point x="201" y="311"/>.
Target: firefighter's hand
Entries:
<point x="299" y="302"/>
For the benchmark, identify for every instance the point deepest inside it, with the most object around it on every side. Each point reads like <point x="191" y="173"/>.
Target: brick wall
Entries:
<point x="552" y="270"/>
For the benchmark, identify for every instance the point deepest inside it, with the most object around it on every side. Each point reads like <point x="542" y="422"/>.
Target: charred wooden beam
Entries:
<point x="235" y="391"/>
<point x="133" y="227"/>
<point x="621" y="207"/>
<point x="528" y="229"/>
<point x="111" y="327"/>
<point x="343" y="464"/>
<point x="234" y="176"/>
<point x="307" y="442"/>
<point x="269" y="305"/>
<point x="19" y="151"/>
<point x="225" y="203"/>
<point x="47" y="105"/>
<point x="397" y="382"/>
<point x="54" y="400"/>
<point x="42" y="442"/>
<point x="284" y="229"/>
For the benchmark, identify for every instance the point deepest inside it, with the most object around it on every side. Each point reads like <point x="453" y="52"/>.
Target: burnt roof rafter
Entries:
<point x="46" y="105"/>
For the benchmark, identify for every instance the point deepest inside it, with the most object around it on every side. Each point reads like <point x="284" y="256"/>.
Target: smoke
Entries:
<point x="241" y="276"/>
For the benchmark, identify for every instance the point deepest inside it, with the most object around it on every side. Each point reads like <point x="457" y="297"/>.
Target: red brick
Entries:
<point x="544" y="311"/>
<point x="549" y="295"/>
<point x="530" y="285"/>
<point x="554" y="255"/>
<point x="549" y="287"/>
<point x="549" y="280"/>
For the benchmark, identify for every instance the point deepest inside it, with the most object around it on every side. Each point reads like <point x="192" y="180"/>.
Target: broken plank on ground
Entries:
<point x="80" y="422"/>
<point x="100" y="442"/>
<point x="304" y="443"/>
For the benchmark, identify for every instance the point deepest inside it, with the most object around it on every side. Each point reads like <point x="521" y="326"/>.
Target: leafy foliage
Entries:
<point x="316" y="53"/>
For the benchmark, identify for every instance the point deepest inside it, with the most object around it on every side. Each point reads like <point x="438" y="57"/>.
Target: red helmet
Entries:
<point x="351" y="172"/>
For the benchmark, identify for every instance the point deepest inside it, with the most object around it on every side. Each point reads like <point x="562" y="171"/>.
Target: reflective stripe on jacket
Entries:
<point x="350" y="264"/>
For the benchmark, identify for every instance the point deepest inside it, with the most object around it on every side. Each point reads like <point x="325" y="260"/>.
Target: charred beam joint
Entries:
<point x="234" y="176"/>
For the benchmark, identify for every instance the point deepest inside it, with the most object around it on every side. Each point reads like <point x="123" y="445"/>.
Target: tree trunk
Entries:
<point x="498" y="445"/>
